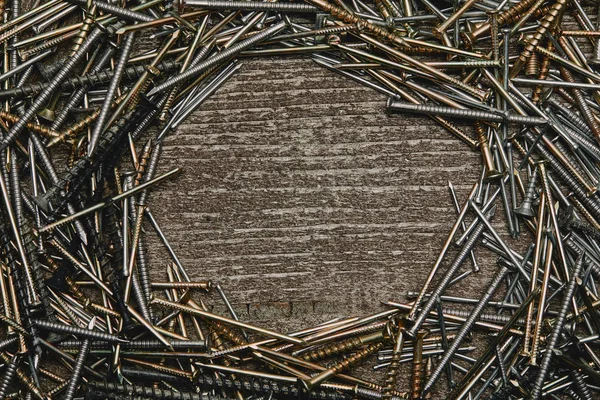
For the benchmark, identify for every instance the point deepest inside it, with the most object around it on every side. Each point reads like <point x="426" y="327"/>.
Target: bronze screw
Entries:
<point x="344" y="364"/>
<point x="345" y="346"/>
<point x="42" y="130"/>
<point x="351" y="18"/>
<point x="533" y="66"/>
<point x="391" y="376"/>
<point x="418" y="370"/>
<point x="73" y="130"/>
<point x="84" y="31"/>
<point x="546" y="25"/>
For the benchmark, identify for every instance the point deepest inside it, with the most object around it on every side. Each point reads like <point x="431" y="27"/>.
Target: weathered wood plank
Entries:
<point x="299" y="189"/>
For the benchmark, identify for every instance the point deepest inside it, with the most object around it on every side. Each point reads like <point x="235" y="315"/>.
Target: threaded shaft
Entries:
<point x="536" y="392"/>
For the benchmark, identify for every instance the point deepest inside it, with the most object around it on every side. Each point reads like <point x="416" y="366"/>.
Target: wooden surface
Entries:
<point x="303" y="199"/>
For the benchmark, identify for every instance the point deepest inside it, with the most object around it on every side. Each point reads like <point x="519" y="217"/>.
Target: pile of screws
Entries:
<point x="81" y="86"/>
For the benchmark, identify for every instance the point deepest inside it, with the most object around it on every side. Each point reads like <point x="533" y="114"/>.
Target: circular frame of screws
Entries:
<point x="520" y="76"/>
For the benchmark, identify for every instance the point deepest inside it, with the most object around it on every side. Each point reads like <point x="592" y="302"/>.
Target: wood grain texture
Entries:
<point x="303" y="199"/>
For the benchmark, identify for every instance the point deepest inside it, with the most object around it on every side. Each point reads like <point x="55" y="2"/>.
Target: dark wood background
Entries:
<point x="304" y="199"/>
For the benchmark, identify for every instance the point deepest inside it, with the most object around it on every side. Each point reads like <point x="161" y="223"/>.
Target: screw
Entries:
<point x="526" y="207"/>
<point x="418" y="367"/>
<point x="547" y="24"/>
<point x="458" y="261"/>
<point x="558" y="326"/>
<point x="110" y="94"/>
<point x="465" y="114"/>
<point x="9" y="376"/>
<point x="465" y="329"/>
<point x="72" y="330"/>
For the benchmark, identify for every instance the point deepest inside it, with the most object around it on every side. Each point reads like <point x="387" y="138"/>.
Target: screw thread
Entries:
<point x="581" y="385"/>
<point x="465" y="329"/>
<point x="76" y="331"/>
<point x="591" y="203"/>
<point x="546" y="24"/>
<point x="265" y="386"/>
<point x="333" y="349"/>
<point x="585" y="109"/>
<point x="24" y="379"/>
<point x="218" y="58"/>
<point x="161" y="368"/>
<point x="25" y="54"/>
<point x="121" y="12"/>
<point x="251" y="6"/>
<point x="77" y="370"/>
<point x="83" y="32"/>
<point x="532" y="68"/>
<point x="447" y="277"/>
<point x="536" y="391"/>
<point x="356" y="357"/>
<point x="9" y="376"/>
<point x="47" y="93"/>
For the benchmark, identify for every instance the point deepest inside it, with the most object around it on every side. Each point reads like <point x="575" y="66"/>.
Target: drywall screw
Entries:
<point x="9" y="376"/>
<point x="78" y="366"/>
<point x="443" y="284"/>
<point x="84" y="31"/>
<point x="547" y="24"/>
<point x="214" y="60"/>
<point x="257" y="385"/>
<point x="110" y="94"/>
<point x="342" y="365"/>
<point x="215" y="317"/>
<point x="76" y="331"/>
<point x="161" y="368"/>
<point x="341" y="347"/>
<point x="526" y="207"/>
<point x="44" y="96"/>
<point x="581" y="386"/>
<point x="465" y="329"/>
<point x="418" y="367"/>
<point x="465" y="113"/>
<point x="100" y="390"/>
<point x="558" y="326"/>
<point x="391" y="376"/>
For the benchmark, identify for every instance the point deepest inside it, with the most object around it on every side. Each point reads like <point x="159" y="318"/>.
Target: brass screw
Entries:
<point x="418" y="367"/>
<point x="546" y="25"/>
